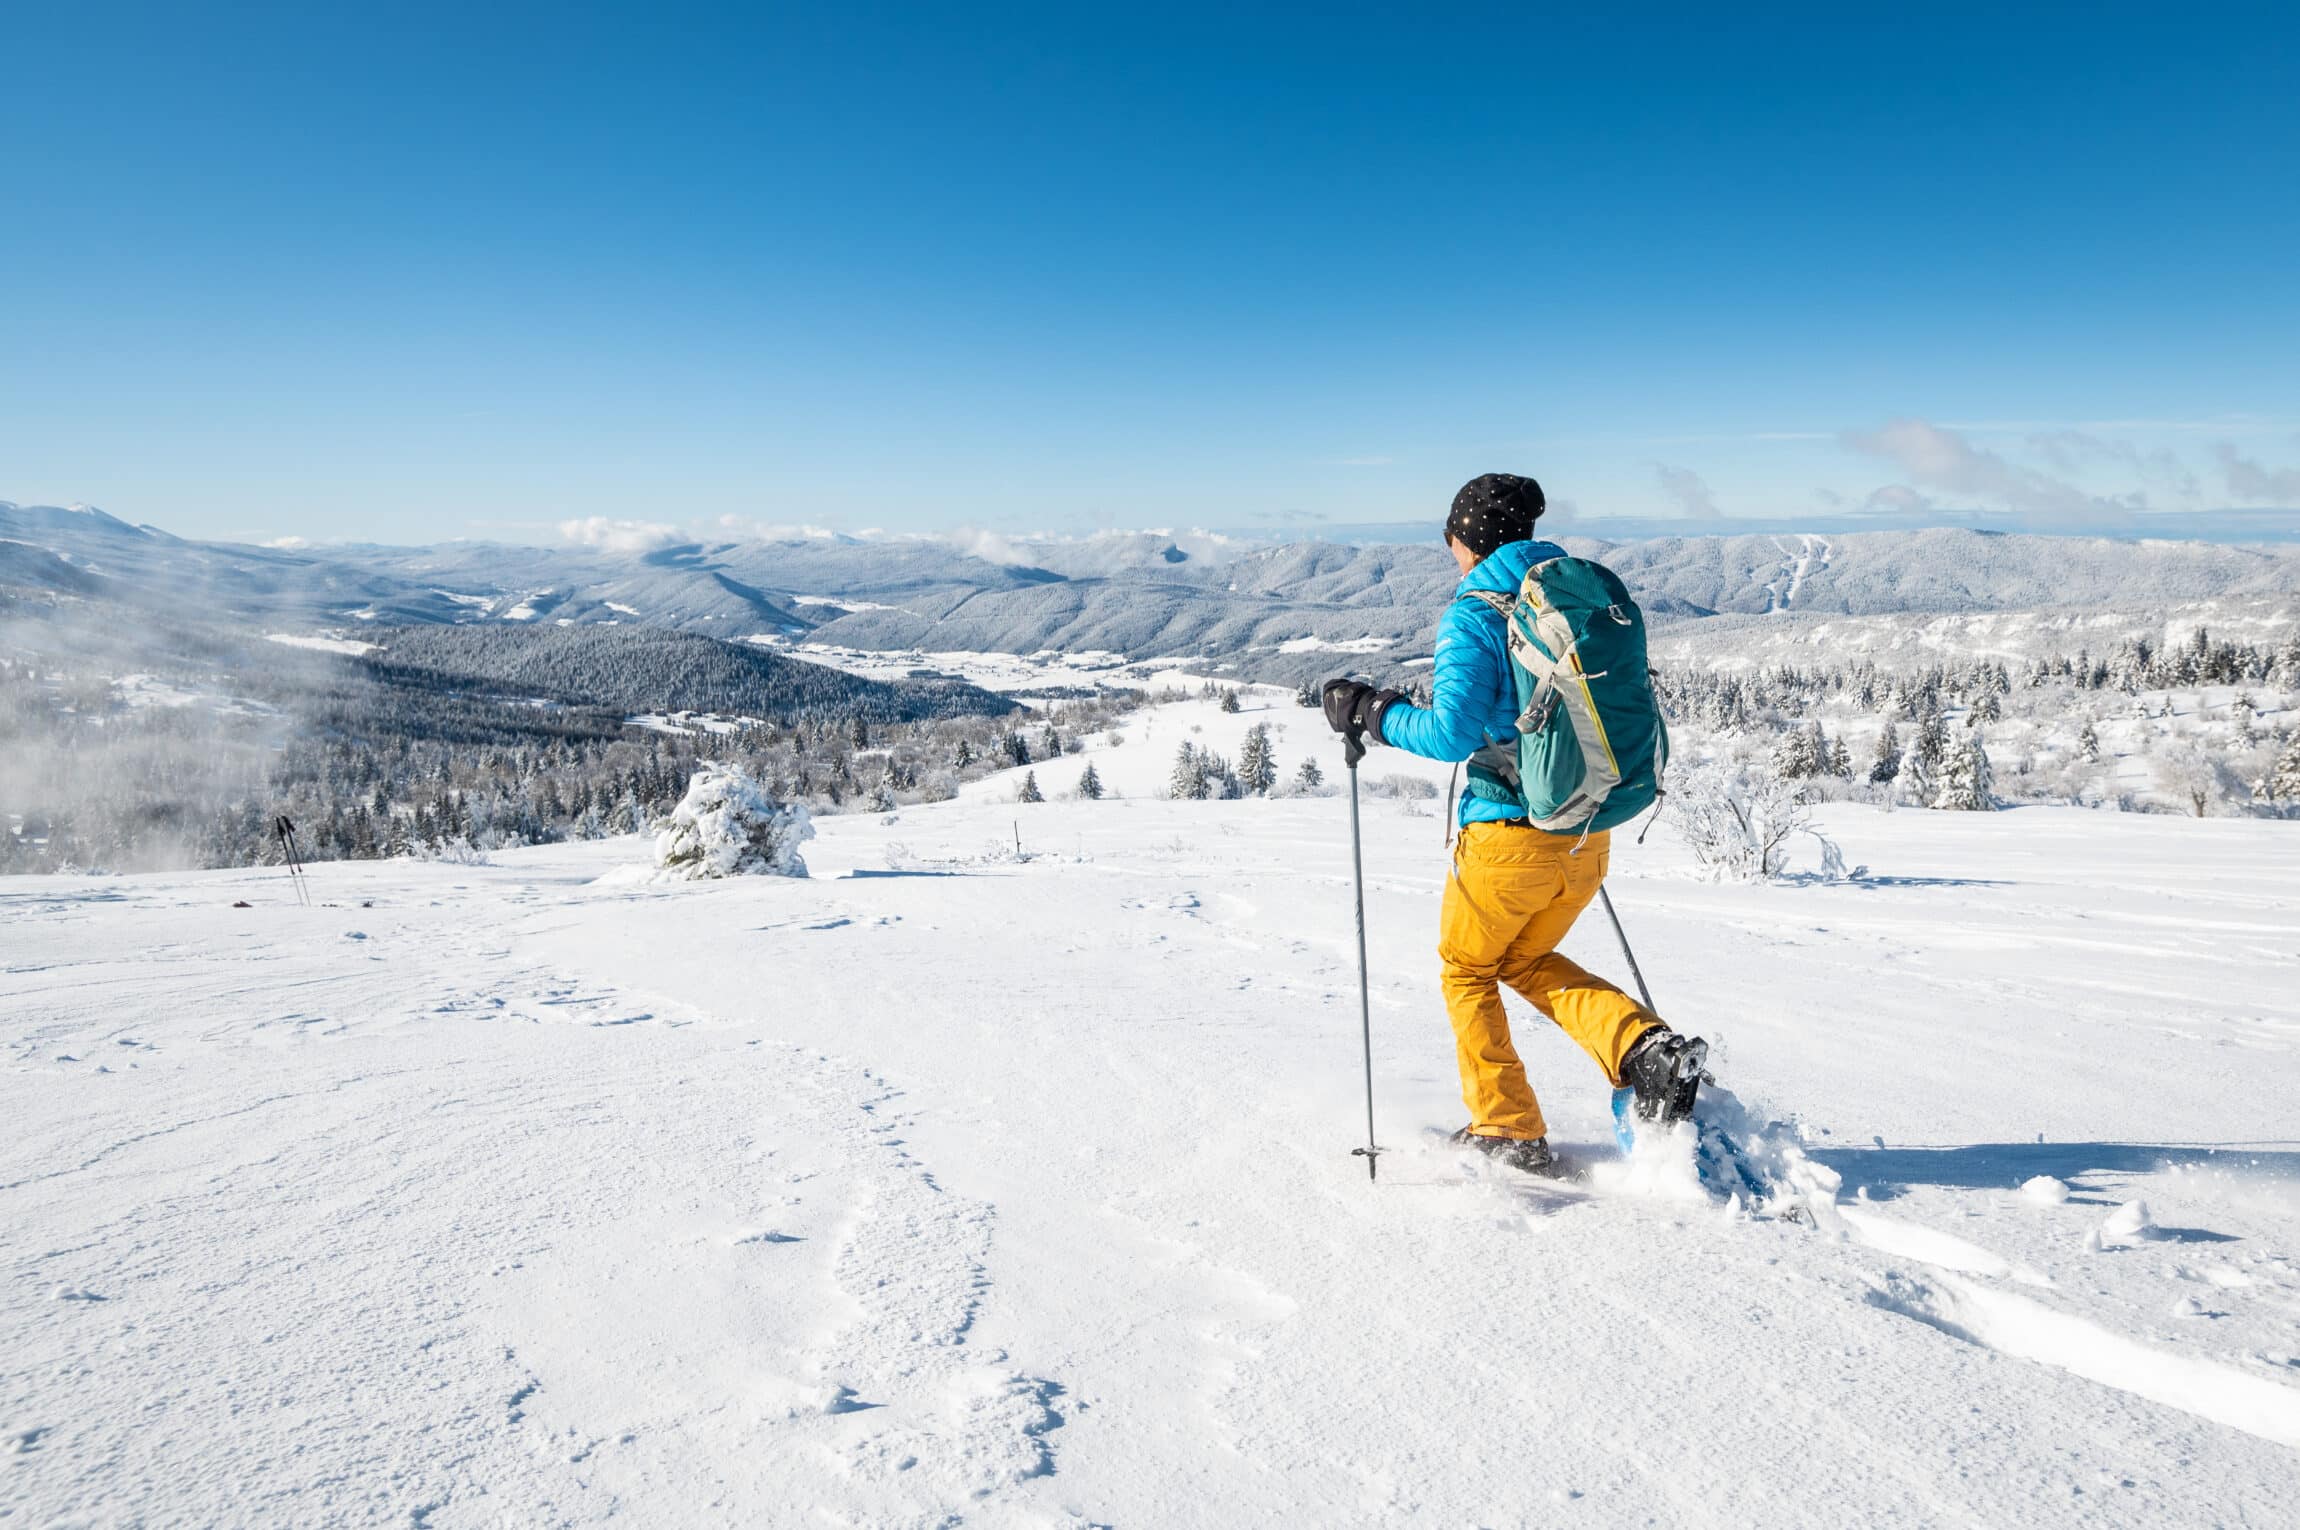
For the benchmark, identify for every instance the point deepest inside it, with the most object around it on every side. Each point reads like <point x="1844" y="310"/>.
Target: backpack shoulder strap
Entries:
<point x="1501" y="604"/>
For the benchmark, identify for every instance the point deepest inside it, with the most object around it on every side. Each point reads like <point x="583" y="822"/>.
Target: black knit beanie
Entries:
<point x="1494" y="509"/>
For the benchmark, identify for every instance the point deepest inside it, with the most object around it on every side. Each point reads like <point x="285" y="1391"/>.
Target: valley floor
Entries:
<point x="955" y="1187"/>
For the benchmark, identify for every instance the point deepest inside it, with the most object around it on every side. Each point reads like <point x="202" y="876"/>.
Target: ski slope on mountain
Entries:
<point x="999" y="1174"/>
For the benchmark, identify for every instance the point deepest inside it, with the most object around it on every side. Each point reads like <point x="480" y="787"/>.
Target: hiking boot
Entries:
<point x="1664" y="1069"/>
<point x="1528" y="1155"/>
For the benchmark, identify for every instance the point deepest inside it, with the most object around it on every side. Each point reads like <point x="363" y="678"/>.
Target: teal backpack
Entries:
<point x="1591" y="742"/>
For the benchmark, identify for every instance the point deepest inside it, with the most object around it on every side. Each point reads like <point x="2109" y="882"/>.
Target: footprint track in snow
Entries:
<point x="927" y="1414"/>
<point x="2027" y="1329"/>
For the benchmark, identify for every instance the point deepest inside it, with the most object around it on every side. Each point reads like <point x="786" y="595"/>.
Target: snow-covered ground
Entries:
<point x="952" y="1186"/>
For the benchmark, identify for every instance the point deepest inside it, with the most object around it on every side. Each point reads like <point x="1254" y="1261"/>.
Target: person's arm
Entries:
<point x="1472" y="666"/>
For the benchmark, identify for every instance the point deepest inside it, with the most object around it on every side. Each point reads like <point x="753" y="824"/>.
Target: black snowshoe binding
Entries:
<point x="1666" y="1071"/>
<point x="1528" y="1155"/>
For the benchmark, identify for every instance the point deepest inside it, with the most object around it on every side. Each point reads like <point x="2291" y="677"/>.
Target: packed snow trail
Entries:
<point x="948" y="1188"/>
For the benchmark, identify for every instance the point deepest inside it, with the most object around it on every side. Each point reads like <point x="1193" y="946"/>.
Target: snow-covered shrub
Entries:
<point x="728" y="826"/>
<point x="1736" y="814"/>
<point x="2194" y="774"/>
<point x="1403" y="787"/>
<point x="1306" y="781"/>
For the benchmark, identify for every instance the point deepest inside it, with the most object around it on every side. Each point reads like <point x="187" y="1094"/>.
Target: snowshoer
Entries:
<point x="1517" y="887"/>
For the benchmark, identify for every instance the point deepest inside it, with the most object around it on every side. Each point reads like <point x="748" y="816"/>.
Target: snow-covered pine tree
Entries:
<point x="2088" y="741"/>
<point x="1090" y="783"/>
<point x="1229" y="701"/>
<point x="1050" y="746"/>
<point x="1221" y="776"/>
<point x="1840" y="758"/>
<point x="1310" y="778"/>
<point x="1922" y="761"/>
<point x="1257" y="772"/>
<point x="1966" y="780"/>
<point x="2283" y="783"/>
<point x="1795" y="757"/>
<point x="1307" y="696"/>
<point x="1885" y="760"/>
<point x="1028" y="791"/>
<point x="1188" y="781"/>
<point x="963" y="755"/>
<point x="726" y="825"/>
<point x="1017" y="749"/>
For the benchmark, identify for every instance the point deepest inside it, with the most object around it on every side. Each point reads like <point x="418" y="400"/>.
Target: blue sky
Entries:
<point x="405" y="272"/>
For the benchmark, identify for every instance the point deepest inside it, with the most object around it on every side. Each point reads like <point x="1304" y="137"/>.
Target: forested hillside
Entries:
<point x="650" y="669"/>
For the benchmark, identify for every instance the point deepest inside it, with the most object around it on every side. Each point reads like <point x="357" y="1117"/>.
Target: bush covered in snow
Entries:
<point x="1737" y="813"/>
<point x="728" y="826"/>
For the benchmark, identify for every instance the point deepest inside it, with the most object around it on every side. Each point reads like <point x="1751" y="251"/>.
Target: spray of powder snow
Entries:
<point x="1728" y="1154"/>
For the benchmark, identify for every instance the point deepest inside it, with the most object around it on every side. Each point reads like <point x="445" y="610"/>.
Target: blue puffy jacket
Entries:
<point x="1473" y="699"/>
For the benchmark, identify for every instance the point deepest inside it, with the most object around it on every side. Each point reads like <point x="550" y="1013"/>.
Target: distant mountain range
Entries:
<point x="1275" y="610"/>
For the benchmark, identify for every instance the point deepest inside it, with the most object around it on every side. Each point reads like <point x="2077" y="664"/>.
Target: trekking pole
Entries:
<point x="284" y="827"/>
<point x="1354" y="750"/>
<point x="1624" y="1130"/>
<point x="1630" y="956"/>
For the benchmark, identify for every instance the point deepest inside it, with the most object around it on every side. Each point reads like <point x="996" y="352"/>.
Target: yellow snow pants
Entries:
<point x="1513" y="893"/>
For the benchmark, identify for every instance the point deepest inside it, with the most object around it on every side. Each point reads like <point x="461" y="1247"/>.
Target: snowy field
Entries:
<point x="960" y="1186"/>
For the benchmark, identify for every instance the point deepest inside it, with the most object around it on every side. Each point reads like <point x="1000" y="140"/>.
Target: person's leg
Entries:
<point x="1602" y="1020"/>
<point x="1486" y="908"/>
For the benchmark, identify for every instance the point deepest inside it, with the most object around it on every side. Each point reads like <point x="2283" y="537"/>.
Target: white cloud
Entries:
<point x="1685" y="487"/>
<point x="287" y="544"/>
<point x="1943" y="459"/>
<point x="737" y="527"/>
<point x="989" y="546"/>
<point x="620" y="536"/>
<point x="1898" y="497"/>
<point x="2075" y="451"/>
<point x="2250" y="480"/>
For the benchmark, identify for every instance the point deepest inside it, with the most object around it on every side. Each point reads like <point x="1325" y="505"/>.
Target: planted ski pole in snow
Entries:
<point x="285" y="829"/>
<point x="1354" y="750"/>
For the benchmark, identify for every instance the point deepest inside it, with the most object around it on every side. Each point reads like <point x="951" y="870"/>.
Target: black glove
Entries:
<point x="1344" y="701"/>
<point x="1354" y="707"/>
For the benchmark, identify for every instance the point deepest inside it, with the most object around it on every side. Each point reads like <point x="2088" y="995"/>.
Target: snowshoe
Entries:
<point x="1528" y="1155"/>
<point x="1664" y="1071"/>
